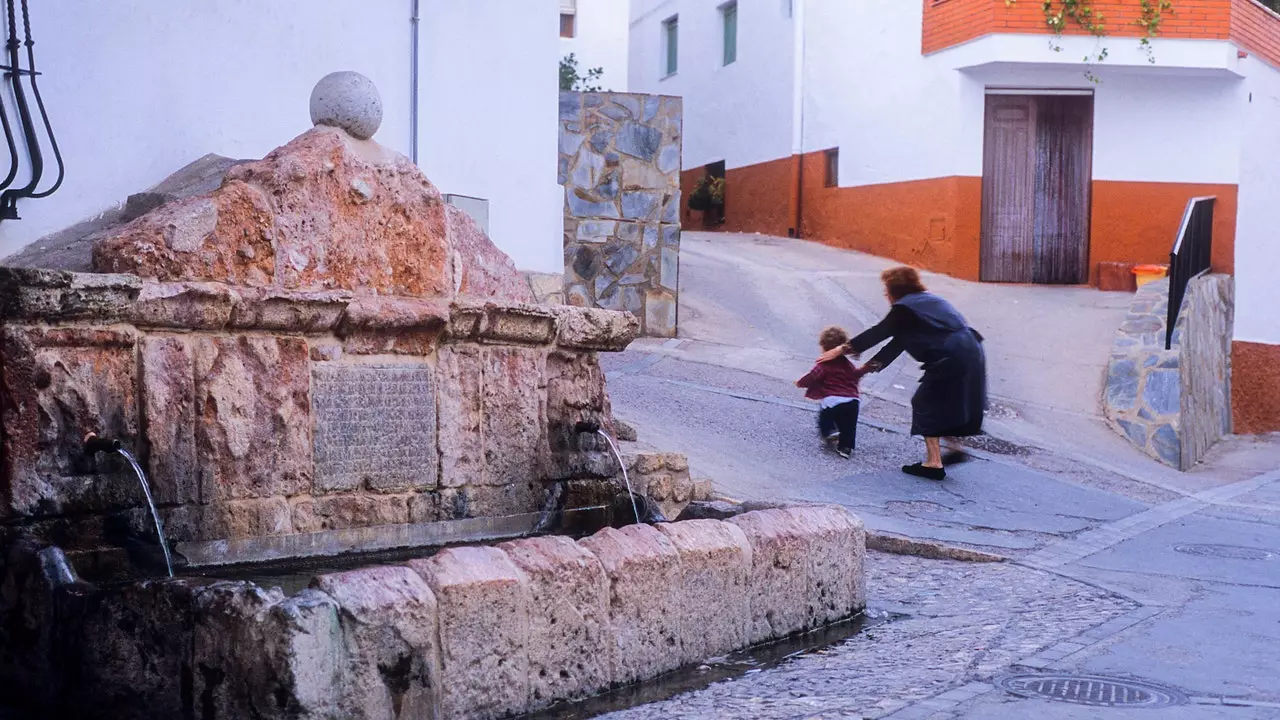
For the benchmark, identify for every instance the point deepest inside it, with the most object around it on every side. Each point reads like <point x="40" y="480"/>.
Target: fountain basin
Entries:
<point x="481" y="631"/>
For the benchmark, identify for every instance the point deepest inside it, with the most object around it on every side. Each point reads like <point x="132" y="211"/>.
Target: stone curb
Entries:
<point x="900" y="545"/>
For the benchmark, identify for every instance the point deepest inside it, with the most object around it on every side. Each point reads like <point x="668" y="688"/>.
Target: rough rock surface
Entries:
<point x="620" y="166"/>
<point x="644" y="601"/>
<point x="389" y="622"/>
<point x="513" y="409"/>
<point x="779" y="573"/>
<point x="253" y="429"/>
<point x="458" y="404"/>
<point x="571" y="642"/>
<point x="837" y="580"/>
<point x="56" y="386"/>
<point x="324" y="211"/>
<point x="576" y="392"/>
<point x="135" y="642"/>
<point x="72" y="248"/>
<point x="483" y="601"/>
<point x="481" y="270"/>
<point x="715" y="568"/>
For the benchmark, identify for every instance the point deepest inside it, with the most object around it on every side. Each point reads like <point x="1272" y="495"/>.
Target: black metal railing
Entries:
<point x="33" y="123"/>
<point x="1192" y="250"/>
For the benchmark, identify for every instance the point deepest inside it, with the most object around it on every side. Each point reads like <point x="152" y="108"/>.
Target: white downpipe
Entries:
<point x="414" y="22"/>
<point x="797" y="81"/>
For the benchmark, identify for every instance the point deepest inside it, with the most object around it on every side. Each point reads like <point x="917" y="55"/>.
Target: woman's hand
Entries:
<point x="873" y="366"/>
<point x="832" y="354"/>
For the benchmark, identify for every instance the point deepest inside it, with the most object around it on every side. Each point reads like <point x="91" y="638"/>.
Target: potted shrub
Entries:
<point x="715" y="189"/>
<point x="700" y="198"/>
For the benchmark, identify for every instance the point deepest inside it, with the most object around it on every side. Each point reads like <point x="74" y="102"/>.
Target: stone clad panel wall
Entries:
<point x="620" y="168"/>
<point x="1173" y="404"/>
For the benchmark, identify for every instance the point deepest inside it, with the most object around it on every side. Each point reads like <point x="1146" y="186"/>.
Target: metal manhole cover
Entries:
<point x="1226" y="552"/>
<point x="1095" y="690"/>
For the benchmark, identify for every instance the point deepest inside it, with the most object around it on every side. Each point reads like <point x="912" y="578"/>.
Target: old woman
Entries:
<point x="952" y="396"/>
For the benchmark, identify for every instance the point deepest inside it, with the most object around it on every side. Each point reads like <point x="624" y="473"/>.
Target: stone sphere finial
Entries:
<point x="347" y="100"/>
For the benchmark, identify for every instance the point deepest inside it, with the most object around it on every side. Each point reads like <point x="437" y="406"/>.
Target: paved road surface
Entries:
<point x="1116" y="565"/>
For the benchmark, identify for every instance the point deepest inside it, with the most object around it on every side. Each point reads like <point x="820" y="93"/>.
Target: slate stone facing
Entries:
<point x="1173" y="404"/>
<point x="375" y="427"/>
<point x="620" y="167"/>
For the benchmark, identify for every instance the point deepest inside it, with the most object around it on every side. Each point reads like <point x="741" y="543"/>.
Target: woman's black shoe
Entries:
<point x="955" y="457"/>
<point x="928" y="473"/>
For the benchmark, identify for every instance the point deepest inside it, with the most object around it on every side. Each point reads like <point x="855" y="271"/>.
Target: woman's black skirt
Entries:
<point x="952" y="396"/>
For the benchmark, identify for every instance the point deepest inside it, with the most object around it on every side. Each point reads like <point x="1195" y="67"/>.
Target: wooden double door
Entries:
<point x="1036" y="181"/>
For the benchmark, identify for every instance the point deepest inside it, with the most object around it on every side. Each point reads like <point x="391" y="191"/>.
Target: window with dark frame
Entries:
<point x="729" y="19"/>
<point x="670" y="45"/>
<point x="833" y="167"/>
<point x="568" y="18"/>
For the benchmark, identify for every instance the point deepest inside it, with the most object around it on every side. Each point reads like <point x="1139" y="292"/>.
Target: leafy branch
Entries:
<point x="1059" y="15"/>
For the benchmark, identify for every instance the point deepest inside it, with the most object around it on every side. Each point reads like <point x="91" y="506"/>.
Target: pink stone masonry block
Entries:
<point x="571" y="642"/>
<point x="715" y="572"/>
<point x="644" y="600"/>
<point x="484" y="631"/>
<point x="253" y="416"/>
<point x="779" y="573"/>
<point x="389" y="626"/>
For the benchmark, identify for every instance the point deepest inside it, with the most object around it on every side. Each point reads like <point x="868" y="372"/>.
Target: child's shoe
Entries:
<point x="846" y="454"/>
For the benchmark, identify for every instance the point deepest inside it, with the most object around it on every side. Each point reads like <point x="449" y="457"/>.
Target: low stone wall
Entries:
<point x="620" y="168"/>
<point x="472" y="632"/>
<point x="1173" y="404"/>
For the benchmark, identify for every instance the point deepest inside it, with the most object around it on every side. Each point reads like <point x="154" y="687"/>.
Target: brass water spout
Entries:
<point x="94" y="444"/>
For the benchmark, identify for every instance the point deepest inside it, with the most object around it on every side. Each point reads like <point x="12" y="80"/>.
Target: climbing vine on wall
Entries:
<point x="1059" y="15"/>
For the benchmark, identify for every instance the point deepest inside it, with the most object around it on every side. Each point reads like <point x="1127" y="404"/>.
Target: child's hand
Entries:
<point x="873" y="366"/>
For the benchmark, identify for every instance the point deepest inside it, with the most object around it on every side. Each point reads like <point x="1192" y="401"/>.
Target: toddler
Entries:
<point x="834" y="384"/>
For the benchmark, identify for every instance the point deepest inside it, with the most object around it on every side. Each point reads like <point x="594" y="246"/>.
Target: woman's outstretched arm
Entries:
<point x="890" y="326"/>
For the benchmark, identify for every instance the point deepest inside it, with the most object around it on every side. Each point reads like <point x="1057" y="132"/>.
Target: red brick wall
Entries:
<point x="1256" y="29"/>
<point x="1255" y="387"/>
<point x="951" y="22"/>
<point x="757" y="198"/>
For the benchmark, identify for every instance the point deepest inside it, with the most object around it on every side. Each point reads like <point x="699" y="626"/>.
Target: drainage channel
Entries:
<point x="730" y="667"/>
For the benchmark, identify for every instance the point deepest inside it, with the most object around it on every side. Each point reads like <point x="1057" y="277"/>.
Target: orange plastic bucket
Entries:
<point x="1149" y="273"/>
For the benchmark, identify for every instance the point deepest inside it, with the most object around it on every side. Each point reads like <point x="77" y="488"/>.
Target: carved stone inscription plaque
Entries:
<point x="375" y="427"/>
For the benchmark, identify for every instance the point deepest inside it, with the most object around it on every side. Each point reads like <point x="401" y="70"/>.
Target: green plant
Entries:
<point x="708" y="192"/>
<point x="570" y="79"/>
<point x="1152" y="13"/>
<point x="716" y="188"/>
<point x="1061" y="14"/>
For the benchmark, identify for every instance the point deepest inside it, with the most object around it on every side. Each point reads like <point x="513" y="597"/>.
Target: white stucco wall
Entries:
<point x="489" y="113"/>
<point x="1257" y="266"/>
<point x="740" y="113"/>
<point x="1148" y="125"/>
<point x="601" y="41"/>
<point x="892" y="112"/>
<point x="138" y="88"/>
<point x="899" y="116"/>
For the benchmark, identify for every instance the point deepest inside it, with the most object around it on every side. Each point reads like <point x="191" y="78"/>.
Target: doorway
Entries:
<point x="1037" y="171"/>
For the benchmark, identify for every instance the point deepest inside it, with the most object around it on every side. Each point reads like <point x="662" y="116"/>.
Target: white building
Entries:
<point x="964" y="137"/>
<point x="595" y="32"/>
<point x="137" y="89"/>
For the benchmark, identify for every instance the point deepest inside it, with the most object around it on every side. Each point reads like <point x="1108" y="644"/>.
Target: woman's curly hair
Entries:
<point x="901" y="281"/>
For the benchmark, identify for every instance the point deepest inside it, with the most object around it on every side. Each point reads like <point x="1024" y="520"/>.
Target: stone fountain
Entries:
<point x="324" y="368"/>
